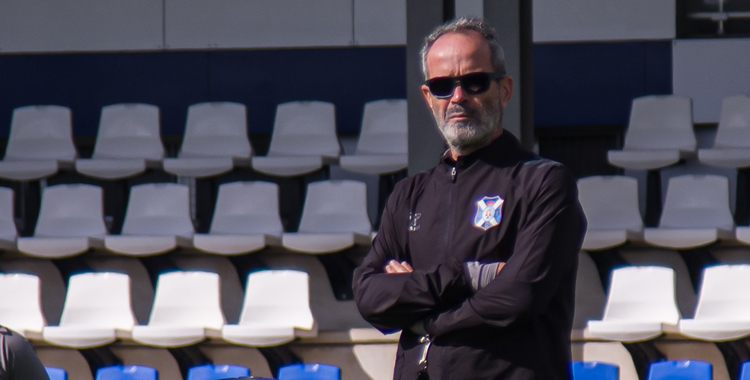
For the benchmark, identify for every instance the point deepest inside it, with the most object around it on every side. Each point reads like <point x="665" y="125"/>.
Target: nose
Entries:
<point x="458" y="94"/>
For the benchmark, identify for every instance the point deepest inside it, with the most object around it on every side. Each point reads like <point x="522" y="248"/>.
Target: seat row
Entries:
<point x="215" y="141"/>
<point x="209" y="372"/>
<point x="158" y="220"/>
<point x="674" y="369"/>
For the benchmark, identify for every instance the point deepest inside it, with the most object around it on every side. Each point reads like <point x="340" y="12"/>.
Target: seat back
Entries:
<point x="158" y="209"/>
<point x="305" y="128"/>
<point x="247" y="208"/>
<point x="21" y="308"/>
<point x="589" y="292"/>
<point x="697" y="201"/>
<point x="56" y="373"/>
<point x="278" y="298"/>
<point x="128" y="372"/>
<point x="723" y="293"/>
<point x="216" y="372"/>
<point x="384" y="128"/>
<point x="594" y="371"/>
<point x="129" y="131"/>
<point x="7" y="224"/>
<point x="187" y="299"/>
<point x="661" y="122"/>
<point x="610" y="202"/>
<point x="217" y="129"/>
<point x="335" y="206"/>
<point x="680" y="369"/>
<point x="734" y="124"/>
<point x="642" y="294"/>
<point x="41" y="133"/>
<point x="309" y="372"/>
<point x="98" y="300"/>
<point x="71" y="211"/>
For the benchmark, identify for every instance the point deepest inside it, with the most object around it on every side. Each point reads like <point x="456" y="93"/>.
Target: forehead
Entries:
<point x="459" y="53"/>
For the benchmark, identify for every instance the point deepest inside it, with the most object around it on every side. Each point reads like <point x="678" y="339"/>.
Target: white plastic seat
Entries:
<point x="8" y="232"/>
<point x="723" y="311"/>
<point x="660" y="133"/>
<point x="215" y="141"/>
<point x="187" y="309"/>
<point x="732" y="145"/>
<point x="128" y="141"/>
<point x="696" y="213"/>
<point x="589" y="295"/>
<point x="334" y="218"/>
<point x="276" y="310"/>
<point x="611" y="207"/>
<point x="40" y="143"/>
<point x="303" y="140"/>
<point x="246" y="219"/>
<point x="157" y="220"/>
<point x="382" y="147"/>
<point x="21" y="309"/>
<point x="640" y="300"/>
<point x="97" y="311"/>
<point x="71" y="222"/>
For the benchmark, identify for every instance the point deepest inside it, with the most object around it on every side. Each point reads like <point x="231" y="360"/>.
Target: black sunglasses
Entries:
<point x="473" y="84"/>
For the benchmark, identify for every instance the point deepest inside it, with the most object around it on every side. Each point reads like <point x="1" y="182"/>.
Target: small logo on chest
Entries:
<point x="489" y="212"/>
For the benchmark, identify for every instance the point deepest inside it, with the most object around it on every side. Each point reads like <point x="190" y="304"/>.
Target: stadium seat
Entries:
<point x="680" y="369"/>
<point x="334" y="218"/>
<point x="696" y="213"/>
<point x="128" y="142"/>
<point x="40" y="143"/>
<point x="745" y="371"/>
<point x="128" y="372"/>
<point x="56" y="373"/>
<point x="382" y="147"/>
<point x="303" y="140"/>
<point x="276" y="310"/>
<point x="723" y="311"/>
<point x="246" y="219"/>
<point x="612" y="353"/>
<point x="309" y="372"/>
<point x="215" y="141"/>
<point x="376" y="360"/>
<point x="732" y="145"/>
<point x="611" y="207"/>
<point x="97" y="310"/>
<point x="8" y="231"/>
<point x="187" y="309"/>
<point x="71" y="222"/>
<point x="157" y="220"/>
<point x="21" y="309"/>
<point x="590" y="297"/>
<point x="660" y="133"/>
<point x="594" y="371"/>
<point x="640" y="300"/>
<point x="216" y="372"/>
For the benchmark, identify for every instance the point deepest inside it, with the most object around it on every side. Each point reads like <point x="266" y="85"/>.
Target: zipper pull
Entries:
<point x="453" y="174"/>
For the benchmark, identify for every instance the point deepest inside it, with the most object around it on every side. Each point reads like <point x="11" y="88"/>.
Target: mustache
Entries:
<point x="456" y="109"/>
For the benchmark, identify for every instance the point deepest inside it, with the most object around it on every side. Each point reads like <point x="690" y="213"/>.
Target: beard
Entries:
<point x="465" y="136"/>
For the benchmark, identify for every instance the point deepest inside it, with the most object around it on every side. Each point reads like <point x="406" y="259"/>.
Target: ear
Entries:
<point x="427" y="95"/>
<point x="506" y="90"/>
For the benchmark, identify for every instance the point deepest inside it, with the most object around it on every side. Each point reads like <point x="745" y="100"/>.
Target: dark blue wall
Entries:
<point x="594" y="83"/>
<point x="260" y="79"/>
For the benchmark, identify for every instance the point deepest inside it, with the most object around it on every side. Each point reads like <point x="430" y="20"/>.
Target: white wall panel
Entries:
<point x="708" y="71"/>
<point x="380" y="22"/>
<point x="603" y="20"/>
<point x="200" y="24"/>
<point x="80" y="25"/>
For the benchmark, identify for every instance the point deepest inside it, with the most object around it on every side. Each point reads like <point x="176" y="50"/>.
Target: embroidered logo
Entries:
<point x="489" y="212"/>
<point x="414" y="221"/>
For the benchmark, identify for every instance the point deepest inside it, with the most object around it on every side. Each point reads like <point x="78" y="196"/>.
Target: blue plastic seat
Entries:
<point x="310" y="372"/>
<point x="680" y="370"/>
<point x="216" y="372"/>
<point x="128" y="372"/>
<point x="745" y="371"/>
<point x="56" y="373"/>
<point x="594" y="371"/>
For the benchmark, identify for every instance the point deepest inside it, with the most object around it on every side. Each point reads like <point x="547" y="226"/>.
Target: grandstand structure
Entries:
<point x="187" y="186"/>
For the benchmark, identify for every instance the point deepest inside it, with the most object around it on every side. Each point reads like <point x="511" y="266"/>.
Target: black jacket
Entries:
<point x="518" y="327"/>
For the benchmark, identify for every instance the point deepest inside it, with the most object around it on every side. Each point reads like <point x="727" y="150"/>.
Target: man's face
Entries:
<point x="466" y="121"/>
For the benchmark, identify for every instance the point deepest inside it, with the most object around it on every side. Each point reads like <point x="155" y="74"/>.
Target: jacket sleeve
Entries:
<point x="396" y="301"/>
<point x="546" y="248"/>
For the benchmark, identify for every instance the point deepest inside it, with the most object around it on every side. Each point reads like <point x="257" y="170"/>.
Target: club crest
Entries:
<point x="489" y="212"/>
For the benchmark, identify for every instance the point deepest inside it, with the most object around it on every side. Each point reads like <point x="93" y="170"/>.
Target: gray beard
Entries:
<point x="464" y="137"/>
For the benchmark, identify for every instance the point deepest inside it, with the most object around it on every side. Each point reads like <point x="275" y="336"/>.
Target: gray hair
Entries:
<point x="461" y="25"/>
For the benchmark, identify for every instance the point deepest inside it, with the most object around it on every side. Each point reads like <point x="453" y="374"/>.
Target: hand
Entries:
<point x="395" y="267"/>
<point x="499" y="266"/>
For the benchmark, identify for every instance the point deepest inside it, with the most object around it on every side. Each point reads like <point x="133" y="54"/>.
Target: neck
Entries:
<point x="459" y="151"/>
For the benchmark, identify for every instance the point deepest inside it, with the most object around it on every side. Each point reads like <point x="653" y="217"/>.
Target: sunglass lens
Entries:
<point x="475" y="84"/>
<point x="441" y="87"/>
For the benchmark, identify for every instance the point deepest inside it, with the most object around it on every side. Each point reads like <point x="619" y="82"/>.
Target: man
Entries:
<point x="18" y="359"/>
<point x="475" y="259"/>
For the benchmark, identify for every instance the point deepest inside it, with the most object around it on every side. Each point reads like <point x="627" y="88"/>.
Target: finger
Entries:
<point x="398" y="267"/>
<point x="389" y="269"/>
<point x="407" y="266"/>
<point x="499" y="267"/>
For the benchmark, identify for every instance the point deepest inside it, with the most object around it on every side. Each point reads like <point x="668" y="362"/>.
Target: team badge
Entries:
<point x="489" y="212"/>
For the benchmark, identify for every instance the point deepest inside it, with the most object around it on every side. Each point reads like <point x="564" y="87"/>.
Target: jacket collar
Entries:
<point x="503" y="151"/>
